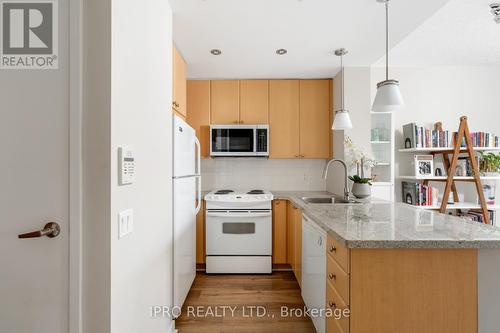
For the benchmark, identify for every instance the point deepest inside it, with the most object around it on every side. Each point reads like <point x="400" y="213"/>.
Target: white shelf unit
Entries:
<point x="382" y="148"/>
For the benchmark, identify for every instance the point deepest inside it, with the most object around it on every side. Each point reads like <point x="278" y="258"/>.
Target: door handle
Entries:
<point x="50" y="230"/>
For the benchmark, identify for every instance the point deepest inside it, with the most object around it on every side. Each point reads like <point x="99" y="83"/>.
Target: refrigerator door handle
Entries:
<point x="198" y="156"/>
<point x="198" y="198"/>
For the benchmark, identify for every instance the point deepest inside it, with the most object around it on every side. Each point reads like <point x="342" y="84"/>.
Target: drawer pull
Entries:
<point x="332" y="276"/>
<point x="332" y="305"/>
<point x="333" y="249"/>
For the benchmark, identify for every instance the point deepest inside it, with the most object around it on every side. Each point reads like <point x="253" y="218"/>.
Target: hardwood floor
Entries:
<point x="239" y="296"/>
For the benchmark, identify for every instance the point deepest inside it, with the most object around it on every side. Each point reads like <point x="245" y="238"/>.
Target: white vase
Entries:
<point x="361" y="191"/>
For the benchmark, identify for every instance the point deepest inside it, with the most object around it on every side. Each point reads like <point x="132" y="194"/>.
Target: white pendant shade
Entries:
<point x="342" y="121"/>
<point x="388" y="97"/>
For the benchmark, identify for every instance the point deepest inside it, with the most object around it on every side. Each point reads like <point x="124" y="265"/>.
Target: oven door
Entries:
<point x="238" y="233"/>
<point x="232" y="140"/>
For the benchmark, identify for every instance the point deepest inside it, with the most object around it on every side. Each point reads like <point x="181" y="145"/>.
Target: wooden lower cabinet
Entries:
<point x="294" y="240"/>
<point x="402" y="290"/>
<point x="279" y="232"/>
<point x="200" y="235"/>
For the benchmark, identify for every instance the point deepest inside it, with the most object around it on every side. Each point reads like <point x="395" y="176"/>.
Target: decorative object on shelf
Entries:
<point x="424" y="165"/>
<point x="489" y="189"/>
<point x="489" y="164"/>
<point x="342" y="119"/>
<point x="388" y="97"/>
<point x="357" y="157"/>
<point x="438" y="172"/>
<point x="361" y="186"/>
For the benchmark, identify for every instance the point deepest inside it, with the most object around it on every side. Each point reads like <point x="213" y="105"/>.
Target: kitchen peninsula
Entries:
<point x="403" y="269"/>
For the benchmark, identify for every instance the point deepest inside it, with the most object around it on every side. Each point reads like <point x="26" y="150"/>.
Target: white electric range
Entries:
<point x="238" y="231"/>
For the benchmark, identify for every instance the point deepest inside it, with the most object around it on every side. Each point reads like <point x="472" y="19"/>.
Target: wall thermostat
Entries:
<point x="126" y="165"/>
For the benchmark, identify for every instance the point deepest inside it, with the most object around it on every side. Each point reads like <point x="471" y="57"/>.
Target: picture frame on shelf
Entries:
<point x="424" y="166"/>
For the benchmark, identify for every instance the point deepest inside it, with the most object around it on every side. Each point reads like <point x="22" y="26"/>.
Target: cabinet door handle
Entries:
<point x="332" y="305"/>
<point x="333" y="249"/>
<point x="296" y="156"/>
<point x="241" y="121"/>
<point x="235" y="122"/>
<point x="332" y="276"/>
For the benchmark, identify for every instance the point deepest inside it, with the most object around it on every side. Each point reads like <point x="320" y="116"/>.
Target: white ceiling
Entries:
<point x="461" y="33"/>
<point x="249" y="31"/>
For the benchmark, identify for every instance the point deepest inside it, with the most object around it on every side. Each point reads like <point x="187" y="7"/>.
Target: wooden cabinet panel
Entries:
<point x="200" y="235"/>
<point x="290" y="225"/>
<point x="179" y="83"/>
<point x="315" y="124"/>
<point x="338" y="252"/>
<point x="254" y="101"/>
<point x="224" y="102"/>
<point x="298" y="244"/>
<point x="284" y="118"/>
<point x="198" y="112"/>
<point x="414" y="290"/>
<point x="279" y="232"/>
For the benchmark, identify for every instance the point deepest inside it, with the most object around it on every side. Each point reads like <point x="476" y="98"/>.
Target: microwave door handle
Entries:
<point x="255" y="140"/>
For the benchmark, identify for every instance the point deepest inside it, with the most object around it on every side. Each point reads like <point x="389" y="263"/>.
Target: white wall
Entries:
<point x="358" y="102"/>
<point x="128" y="84"/>
<point x="255" y="173"/>
<point x="443" y="94"/>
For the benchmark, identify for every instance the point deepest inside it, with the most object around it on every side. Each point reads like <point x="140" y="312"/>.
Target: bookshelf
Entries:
<point x="450" y="155"/>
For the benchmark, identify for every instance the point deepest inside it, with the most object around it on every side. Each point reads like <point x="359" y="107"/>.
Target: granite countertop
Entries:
<point x="380" y="224"/>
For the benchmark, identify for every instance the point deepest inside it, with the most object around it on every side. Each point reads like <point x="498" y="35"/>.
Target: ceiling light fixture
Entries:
<point x="281" y="51"/>
<point x="388" y="97"/>
<point x="495" y="10"/>
<point x="342" y="119"/>
<point x="216" y="51"/>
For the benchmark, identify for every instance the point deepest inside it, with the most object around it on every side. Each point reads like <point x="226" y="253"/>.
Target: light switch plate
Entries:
<point x="125" y="222"/>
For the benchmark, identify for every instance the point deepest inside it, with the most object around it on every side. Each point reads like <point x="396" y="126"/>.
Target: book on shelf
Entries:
<point x="478" y="216"/>
<point x="418" y="194"/>
<point x="416" y="136"/>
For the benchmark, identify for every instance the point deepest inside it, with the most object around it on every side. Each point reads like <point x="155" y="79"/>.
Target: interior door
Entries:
<point x="34" y="172"/>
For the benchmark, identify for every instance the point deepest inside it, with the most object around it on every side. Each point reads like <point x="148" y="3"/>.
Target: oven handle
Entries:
<point x="224" y="214"/>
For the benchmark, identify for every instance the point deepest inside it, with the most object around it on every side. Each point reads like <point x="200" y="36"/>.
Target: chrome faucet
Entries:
<point x="347" y="194"/>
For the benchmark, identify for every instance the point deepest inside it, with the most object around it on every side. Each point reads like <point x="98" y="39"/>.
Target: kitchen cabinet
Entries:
<point x="179" y="84"/>
<point x="284" y="119"/>
<point x="198" y="112"/>
<point x="314" y="269"/>
<point x="254" y="101"/>
<point x="224" y="102"/>
<point x="396" y="290"/>
<point x="294" y="240"/>
<point x="315" y="126"/>
<point x="279" y="232"/>
<point x="200" y="235"/>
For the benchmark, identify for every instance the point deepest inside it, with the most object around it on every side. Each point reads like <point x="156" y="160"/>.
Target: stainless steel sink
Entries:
<point x="328" y="200"/>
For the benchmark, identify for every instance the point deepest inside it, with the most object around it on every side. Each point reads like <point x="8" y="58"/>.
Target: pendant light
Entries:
<point x="342" y="120"/>
<point x="388" y="97"/>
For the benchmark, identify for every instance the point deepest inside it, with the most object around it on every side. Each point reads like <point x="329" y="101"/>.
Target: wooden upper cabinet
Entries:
<point x="315" y="118"/>
<point x="224" y="101"/>
<point x="254" y="101"/>
<point x="284" y="118"/>
<point x="198" y="112"/>
<point x="179" y="83"/>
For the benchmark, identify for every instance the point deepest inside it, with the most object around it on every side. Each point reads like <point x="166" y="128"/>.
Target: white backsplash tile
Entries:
<point x="277" y="175"/>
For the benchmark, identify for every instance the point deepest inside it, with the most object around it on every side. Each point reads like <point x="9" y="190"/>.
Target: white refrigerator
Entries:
<point x="187" y="203"/>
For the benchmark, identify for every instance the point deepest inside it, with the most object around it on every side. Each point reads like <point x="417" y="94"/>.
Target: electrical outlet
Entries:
<point x="125" y="222"/>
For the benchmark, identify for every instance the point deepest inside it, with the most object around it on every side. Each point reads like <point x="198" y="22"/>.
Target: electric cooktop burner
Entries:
<point x="255" y="192"/>
<point x="224" y="192"/>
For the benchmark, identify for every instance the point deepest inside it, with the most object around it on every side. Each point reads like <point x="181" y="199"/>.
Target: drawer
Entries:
<point x="338" y="252"/>
<point x="334" y="301"/>
<point x="338" y="278"/>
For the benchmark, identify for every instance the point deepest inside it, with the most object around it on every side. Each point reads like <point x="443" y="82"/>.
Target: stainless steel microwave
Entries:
<point x="239" y="140"/>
